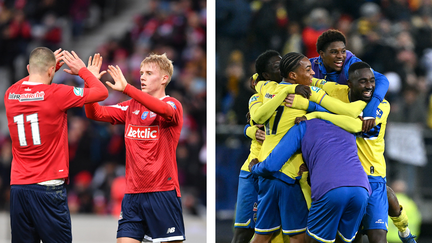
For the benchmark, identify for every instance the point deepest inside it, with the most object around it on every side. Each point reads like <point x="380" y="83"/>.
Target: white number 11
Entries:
<point x="33" y="119"/>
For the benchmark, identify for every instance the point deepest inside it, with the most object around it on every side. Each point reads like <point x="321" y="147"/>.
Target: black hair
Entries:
<point x="289" y="63"/>
<point x="356" y="66"/>
<point x="328" y="37"/>
<point x="262" y="61"/>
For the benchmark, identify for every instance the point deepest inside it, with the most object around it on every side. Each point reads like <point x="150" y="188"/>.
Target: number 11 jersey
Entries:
<point x="37" y="121"/>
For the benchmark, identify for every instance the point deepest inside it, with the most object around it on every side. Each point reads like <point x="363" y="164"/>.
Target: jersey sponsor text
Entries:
<point x="142" y="132"/>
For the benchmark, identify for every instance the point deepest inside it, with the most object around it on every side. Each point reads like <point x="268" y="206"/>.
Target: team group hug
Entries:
<point x="316" y="170"/>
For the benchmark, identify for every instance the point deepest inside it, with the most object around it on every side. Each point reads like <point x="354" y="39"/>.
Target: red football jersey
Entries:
<point x="37" y="121"/>
<point x="151" y="143"/>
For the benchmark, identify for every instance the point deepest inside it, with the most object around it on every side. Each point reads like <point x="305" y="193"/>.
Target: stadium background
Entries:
<point x="393" y="36"/>
<point x="124" y="32"/>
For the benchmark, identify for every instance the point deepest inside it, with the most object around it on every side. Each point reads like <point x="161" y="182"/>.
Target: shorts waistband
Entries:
<point x="37" y="187"/>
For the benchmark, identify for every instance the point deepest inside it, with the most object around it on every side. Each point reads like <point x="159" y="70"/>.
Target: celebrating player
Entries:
<point x="267" y="68"/>
<point x="151" y="209"/>
<point x="370" y="144"/>
<point x="338" y="202"/>
<point x="36" y="112"/>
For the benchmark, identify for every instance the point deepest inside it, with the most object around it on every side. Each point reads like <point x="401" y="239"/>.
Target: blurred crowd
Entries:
<point x="96" y="150"/>
<point x="393" y="36"/>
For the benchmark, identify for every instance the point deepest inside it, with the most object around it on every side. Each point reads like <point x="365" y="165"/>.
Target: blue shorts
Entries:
<point x="39" y="213"/>
<point x="154" y="216"/>
<point x="280" y="205"/>
<point x="376" y="216"/>
<point x="338" y="212"/>
<point x="247" y="201"/>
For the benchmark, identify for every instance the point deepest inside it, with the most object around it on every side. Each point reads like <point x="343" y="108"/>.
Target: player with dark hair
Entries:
<point x="333" y="63"/>
<point x="151" y="208"/>
<point x="36" y="110"/>
<point x="267" y="68"/>
<point x="338" y="202"/>
<point x="395" y="210"/>
<point x="361" y="84"/>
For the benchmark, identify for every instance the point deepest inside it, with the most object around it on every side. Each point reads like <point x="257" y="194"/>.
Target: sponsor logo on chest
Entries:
<point x="142" y="132"/>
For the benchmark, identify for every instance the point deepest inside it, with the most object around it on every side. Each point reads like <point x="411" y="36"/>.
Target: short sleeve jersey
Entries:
<point x="37" y="121"/>
<point x="151" y="143"/>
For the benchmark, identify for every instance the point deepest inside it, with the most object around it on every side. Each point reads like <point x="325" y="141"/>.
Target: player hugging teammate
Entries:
<point x="336" y="138"/>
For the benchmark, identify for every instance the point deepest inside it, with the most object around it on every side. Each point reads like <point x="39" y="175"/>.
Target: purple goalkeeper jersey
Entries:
<point x="330" y="153"/>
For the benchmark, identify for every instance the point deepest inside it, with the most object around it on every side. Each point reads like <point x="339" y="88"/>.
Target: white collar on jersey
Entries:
<point x="164" y="97"/>
<point x="31" y="83"/>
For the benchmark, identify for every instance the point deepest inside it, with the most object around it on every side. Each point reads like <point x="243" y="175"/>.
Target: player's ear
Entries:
<point x="349" y="83"/>
<point x="292" y="75"/>
<point x="321" y="53"/>
<point x="28" y="68"/>
<point x="266" y="76"/>
<point x="165" y="79"/>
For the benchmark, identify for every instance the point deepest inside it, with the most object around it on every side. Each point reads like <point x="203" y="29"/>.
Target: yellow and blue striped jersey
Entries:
<point x="371" y="144"/>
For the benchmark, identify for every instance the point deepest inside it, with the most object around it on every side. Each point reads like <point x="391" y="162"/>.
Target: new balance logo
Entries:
<point x="170" y="230"/>
<point x="136" y="112"/>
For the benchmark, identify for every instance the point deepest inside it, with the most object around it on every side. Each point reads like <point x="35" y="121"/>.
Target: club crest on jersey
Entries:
<point x="78" y="91"/>
<point x="322" y="82"/>
<point x="171" y="104"/>
<point x="379" y="113"/>
<point x="144" y="115"/>
<point x="142" y="132"/>
<point x="152" y="114"/>
<point x="27" y="97"/>
<point x="315" y="89"/>
<point x="252" y="99"/>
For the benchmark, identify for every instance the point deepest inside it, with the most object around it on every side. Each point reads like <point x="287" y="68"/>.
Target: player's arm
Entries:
<point x="96" y="90"/>
<point x="153" y="104"/>
<point x="349" y="124"/>
<point x="381" y="87"/>
<point x="254" y="132"/>
<point x="353" y="109"/>
<point x="262" y="113"/>
<point x="286" y="147"/>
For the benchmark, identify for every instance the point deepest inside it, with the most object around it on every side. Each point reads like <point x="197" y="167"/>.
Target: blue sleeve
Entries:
<point x="381" y="87"/>
<point x="315" y="107"/>
<point x="244" y="130"/>
<point x="287" y="146"/>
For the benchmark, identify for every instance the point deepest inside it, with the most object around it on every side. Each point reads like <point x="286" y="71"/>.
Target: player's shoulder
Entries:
<point x="172" y="102"/>
<point x="254" y="98"/>
<point x="265" y="86"/>
<point x="384" y="105"/>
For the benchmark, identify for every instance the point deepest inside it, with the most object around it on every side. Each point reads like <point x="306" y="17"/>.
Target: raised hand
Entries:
<point x="58" y="55"/>
<point x="95" y="65"/>
<point x="73" y="61"/>
<point x="119" y="79"/>
<point x="303" y="90"/>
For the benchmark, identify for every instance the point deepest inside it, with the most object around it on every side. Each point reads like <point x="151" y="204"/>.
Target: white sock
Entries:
<point x="405" y="234"/>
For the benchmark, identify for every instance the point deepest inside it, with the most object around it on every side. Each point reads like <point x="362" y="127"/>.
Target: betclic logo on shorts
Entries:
<point x="142" y="132"/>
